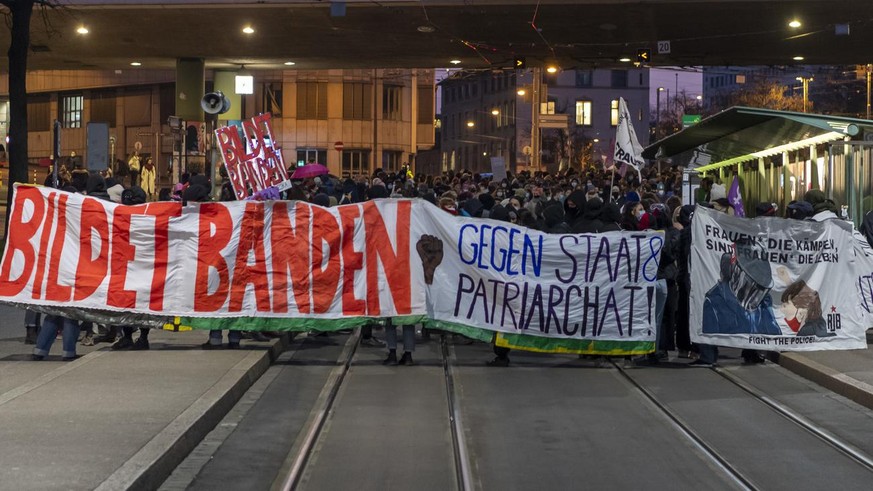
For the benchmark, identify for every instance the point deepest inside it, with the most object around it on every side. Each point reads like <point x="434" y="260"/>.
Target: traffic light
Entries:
<point x="520" y="63"/>
<point x="644" y="55"/>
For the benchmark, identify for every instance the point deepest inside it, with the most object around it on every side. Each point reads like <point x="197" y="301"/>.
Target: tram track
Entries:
<point x="291" y="472"/>
<point x="683" y="428"/>
<point x="742" y="478"/>
<point x="302" y="454"/>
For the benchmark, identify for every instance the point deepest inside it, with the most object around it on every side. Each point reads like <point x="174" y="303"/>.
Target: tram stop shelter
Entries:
<point x="778" y="156"/>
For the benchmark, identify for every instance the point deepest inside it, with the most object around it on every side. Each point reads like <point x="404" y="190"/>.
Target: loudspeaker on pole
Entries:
<point x="215" y="103"/>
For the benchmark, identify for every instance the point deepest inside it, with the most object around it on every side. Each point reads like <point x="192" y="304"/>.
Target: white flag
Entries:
<point x="627" y="148"/>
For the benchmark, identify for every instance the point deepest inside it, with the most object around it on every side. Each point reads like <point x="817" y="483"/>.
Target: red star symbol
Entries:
<point x="833" y="309"/>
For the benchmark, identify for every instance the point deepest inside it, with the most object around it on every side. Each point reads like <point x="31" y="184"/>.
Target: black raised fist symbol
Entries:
<point x="430" y="249"/>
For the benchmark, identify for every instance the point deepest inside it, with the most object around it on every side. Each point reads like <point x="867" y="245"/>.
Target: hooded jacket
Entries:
<point x="96" y="187"/>
<point x="610" y="215"/>
<point x="573" y="214"/>
<point x="554" y="220"/>
<point x="590" y="223"/>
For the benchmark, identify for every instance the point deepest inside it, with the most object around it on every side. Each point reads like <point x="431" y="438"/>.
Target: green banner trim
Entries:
<point x="573" y="346"/>
<point x="523" y="342"/>
<point x="467" y="331"/>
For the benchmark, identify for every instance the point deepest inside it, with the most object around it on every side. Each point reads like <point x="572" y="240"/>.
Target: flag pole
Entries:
<point x="612" y="183"/>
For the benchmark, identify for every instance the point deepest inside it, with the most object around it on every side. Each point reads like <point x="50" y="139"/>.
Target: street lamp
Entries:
<point x="805" y="81"/>
<point x="658" y="112"/>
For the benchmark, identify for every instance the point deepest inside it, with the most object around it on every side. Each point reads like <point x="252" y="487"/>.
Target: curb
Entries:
<point x="842" y="384"/>
<point x="155" y="461"/>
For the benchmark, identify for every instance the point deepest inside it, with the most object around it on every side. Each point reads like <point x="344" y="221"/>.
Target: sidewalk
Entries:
<point x="116" y="420"/>
<point x="848" y="373"/>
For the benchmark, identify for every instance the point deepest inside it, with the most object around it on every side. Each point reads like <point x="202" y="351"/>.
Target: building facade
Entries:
<point x="487" y="115"/>
<point x="352" y="121"/>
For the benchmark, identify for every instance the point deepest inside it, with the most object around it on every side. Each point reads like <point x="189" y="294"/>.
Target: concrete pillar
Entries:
<point x="190" y="87"/>
<point x="225" y="81"/>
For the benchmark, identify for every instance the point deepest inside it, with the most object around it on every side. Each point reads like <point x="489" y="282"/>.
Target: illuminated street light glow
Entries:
<point x="798" y="58"/>
<point x="455" y="62"/>
<point x="521" y="92"/>
<point x="495" y="112"/>
<point x="470" y="124"/>
<point x="248" y="30"/>
<point x="82" y="30"/>
<point x="624" y="60"/>
<point x="135" y="63"/>
<point x="552" y="69"/>
<point x="794" y="23"/>
<point x="290" y="63"/>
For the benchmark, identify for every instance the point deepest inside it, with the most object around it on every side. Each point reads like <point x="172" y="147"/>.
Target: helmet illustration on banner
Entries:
<point x="750" y="276"/>
<point x="740" y="302"/>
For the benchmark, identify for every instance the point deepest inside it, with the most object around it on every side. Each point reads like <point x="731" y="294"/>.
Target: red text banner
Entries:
<point x="294" y="265"/>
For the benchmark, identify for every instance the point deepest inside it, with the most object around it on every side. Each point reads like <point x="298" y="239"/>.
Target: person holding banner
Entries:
<point x="827" y="209"/>
<point x="666" y="276"/>
<point x="391" y="341"/>
<point x="49" y="331"/>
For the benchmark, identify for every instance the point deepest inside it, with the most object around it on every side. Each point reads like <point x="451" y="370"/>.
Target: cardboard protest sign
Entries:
<point x="775" y="284"/>
<point x="294" y="265"/>
<point x="252" y="160"/>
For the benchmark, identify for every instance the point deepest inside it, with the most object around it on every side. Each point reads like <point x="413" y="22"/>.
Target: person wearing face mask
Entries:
<point x="631" y="217"/>
<point x="573" y="207"/>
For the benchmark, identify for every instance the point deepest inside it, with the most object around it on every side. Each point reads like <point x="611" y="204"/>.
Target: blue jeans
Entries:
<point x="408" y="337"/>
<point x="708" y="353"/>
<point x="233" y="337"/>
<point x="31" y="318"/>
<point x="48" y="332"/>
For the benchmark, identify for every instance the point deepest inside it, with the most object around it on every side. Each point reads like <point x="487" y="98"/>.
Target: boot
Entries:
<point x="30" y="337"/>
<point x="125" y="343"/>
<point x="392" y="358"/>
<point x="406" y="359"/>
<point x="141" y="344"/>
<point x="109" y="337"/>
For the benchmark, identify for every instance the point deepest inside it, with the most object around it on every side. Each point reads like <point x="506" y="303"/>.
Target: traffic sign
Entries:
<point x="690" y="120"/>
<point x="338" y="146"/>
<point x="644" y="55"/>
<point x="559" y="121"/>
<point x="663" y="47"/>
<point x="520" y="62"/>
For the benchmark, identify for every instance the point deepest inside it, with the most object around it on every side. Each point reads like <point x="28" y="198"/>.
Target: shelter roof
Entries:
<point x="741" y="134"/>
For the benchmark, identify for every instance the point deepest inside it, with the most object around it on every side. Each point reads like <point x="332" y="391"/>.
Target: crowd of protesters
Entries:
<point x="589" y="201"/>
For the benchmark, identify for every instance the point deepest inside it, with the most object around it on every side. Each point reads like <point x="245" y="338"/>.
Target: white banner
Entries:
<point x="627" y="150"/>
<point x="297" y="261"/>
<point x="776" y="284"/>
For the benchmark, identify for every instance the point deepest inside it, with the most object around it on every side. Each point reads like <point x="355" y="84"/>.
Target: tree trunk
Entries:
<point x="21" y="12"/>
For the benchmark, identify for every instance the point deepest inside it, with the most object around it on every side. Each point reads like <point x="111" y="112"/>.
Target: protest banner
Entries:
<point x="255" y="165"/>
<point x="775" y="284"/>
<point x="280" y="265"/>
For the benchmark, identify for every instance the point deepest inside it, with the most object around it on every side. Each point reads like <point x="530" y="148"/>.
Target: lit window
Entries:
<point x="71" y="110"/>
<point x="583" y="113"/>
<point x="613" y="112"/>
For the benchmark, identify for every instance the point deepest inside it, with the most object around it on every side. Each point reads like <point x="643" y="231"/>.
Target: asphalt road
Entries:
<point x="546" y="422"/>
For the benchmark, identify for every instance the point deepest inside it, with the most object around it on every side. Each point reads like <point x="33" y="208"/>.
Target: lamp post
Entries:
<point x="805" y="81"/>
<point x="868" y="70"/>
<point x="658" y="113"/>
